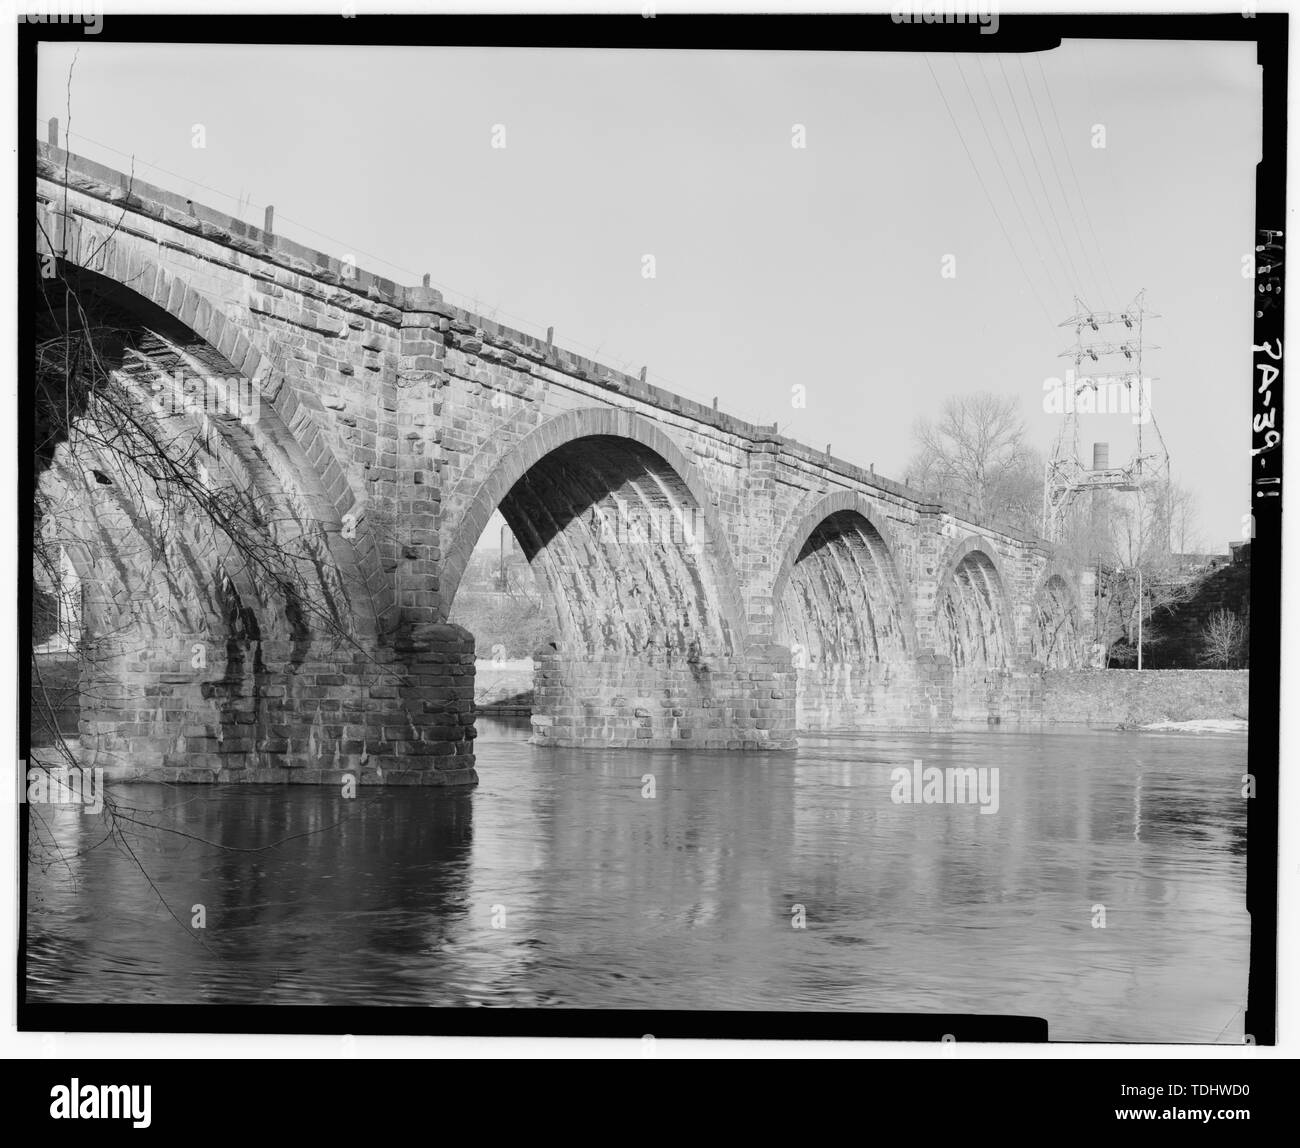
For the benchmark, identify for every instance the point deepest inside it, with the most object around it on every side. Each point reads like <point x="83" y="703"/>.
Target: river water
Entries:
<point x="560" y="882"/>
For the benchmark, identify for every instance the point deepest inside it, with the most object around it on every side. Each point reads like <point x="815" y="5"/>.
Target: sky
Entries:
<point x="896" y="259"/>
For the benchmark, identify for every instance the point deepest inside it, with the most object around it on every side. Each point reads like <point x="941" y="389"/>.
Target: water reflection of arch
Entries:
<point x="321" y="884"/>
<point x="974" y="624"/>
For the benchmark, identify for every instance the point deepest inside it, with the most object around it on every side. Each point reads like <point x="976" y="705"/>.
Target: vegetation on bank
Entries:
<point x="1131" y="699"/>
<point x="505" y="625"/>
<point x="1152" y="584"/>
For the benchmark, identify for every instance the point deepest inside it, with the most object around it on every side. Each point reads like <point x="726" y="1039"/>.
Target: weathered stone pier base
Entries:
<point x="719" y="703"/>
<point x="846" y="696"/>
<point x="925" y="694"/>
<point x="187" y="709"/>
<point x="996" y="696"/>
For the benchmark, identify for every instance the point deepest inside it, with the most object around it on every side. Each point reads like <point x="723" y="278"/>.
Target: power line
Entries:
<point x="1056" y="172"/>
<point x="1015" y="154"/>
<point x="1083" y="203"/>
<point x="1122" y="192"/>
<point x="1065" y="195"/>
<point x="1038" y="171"/>
<point x="998" y="160"/>
<point x="1033" y="290"/>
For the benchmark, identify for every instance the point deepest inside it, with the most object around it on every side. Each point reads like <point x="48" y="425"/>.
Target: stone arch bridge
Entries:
<point x="714" y="584"/>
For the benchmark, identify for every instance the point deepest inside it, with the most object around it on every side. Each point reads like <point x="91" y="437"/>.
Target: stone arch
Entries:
<point x="254" y="604"/>
<point x="282" y="445"/>
<point x="797" y="532"/>
<point x="839" y="603"/>
<point x="653" y="472"/>
<point x="974" y="622"/>
<point x="1054" y="629"/>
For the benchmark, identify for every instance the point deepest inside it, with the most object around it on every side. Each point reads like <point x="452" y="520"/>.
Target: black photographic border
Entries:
<point x="840" y="33"/>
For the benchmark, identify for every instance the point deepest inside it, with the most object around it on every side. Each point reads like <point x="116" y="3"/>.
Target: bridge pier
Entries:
<point x="995" y="696"/>
<point x="718" y="703"/>
<point x="848" y="695"/>
<point x="188" y="709"/>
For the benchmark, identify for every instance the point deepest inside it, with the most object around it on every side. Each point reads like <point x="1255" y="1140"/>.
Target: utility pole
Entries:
<point x="1066" y="476"/>
<point x="1141" y="611"/>
<point x="1141" y="556"/>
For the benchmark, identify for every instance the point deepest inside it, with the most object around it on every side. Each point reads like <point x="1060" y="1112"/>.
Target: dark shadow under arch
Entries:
<point x="264" y="446"/>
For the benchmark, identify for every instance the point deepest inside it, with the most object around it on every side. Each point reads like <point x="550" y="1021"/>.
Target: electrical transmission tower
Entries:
<point x="1117" y="387"/>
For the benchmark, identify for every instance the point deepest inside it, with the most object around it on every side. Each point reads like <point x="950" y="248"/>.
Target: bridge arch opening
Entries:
<point x="974" y="630"/>
<point x="971" y="615"/>
<point x="1055" y="638"/>
<point x="622" y="548"/>
<point x="841" y="609"/>
<point x="647" y="649"/>
<point x="503" y="603"/>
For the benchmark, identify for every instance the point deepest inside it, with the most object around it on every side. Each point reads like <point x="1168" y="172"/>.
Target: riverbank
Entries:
<point x="1210" y="725"/>
<point x="504" y="687"/>
<point x="1135" y="699"/>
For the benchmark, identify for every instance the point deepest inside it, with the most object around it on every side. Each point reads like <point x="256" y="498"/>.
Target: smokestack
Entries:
<point x="1101" y="456"/>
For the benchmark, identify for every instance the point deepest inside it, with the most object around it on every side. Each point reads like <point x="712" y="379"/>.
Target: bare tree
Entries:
<point x="1184" y="536"/>
<point x="1225" y="641"/>
<point x="976" y="453"/>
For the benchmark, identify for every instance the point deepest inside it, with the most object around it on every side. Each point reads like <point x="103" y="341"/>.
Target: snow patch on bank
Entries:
<point x="1201" y="725"/>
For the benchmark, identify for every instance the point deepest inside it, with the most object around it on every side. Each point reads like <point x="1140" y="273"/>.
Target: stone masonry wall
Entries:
<point x="838" y="696"/>
<point x="282" y="711"/>
<point x="727" y="704"/>
<point x="1143" y="697"/>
